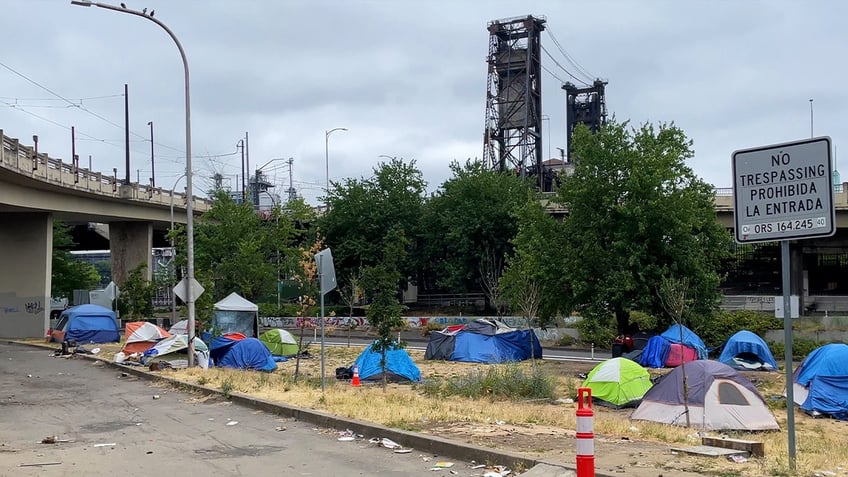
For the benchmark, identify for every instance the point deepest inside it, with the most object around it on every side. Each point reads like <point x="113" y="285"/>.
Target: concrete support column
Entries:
<point x="27" y="240"/>
<point x="130" y="244"/>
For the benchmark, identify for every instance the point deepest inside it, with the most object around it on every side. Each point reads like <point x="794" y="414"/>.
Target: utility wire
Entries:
<point x="568" y="57"/>
<point x="563" y="69"/>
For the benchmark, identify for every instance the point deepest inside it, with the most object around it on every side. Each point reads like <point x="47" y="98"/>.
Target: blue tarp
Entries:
<point x="91" y="324"/>
<point x="824" y="373"/>
<point x="247" y="353"/>
<point x="690" y="339"/>
<point x="399" y="366"/>
<point x="497" y="348"/>
<point x="655" y="353"/>
<point x="746" y="342"/>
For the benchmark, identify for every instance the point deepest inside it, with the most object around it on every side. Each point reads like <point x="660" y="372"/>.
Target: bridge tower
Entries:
<point x="587" y="105"/>
<point x="513" y="131"/>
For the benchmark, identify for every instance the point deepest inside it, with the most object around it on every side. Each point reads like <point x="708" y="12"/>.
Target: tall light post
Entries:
<point x="189" y="293"/>
<point x="327" y="164"/>
<point x="811" y="117"/>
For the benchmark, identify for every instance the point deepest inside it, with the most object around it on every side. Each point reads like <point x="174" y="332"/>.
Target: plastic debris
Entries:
<point x="442" y="465"/>
<point x="232" y="423"/>
<point x="281" y="428"/>
<point x="737" y="458"/>
<point x="110" y="444"/>
<point x="403" y="451"/>
<point x="155" y="396"/>
<point x="347" y="438"/>
<point x="389" y="444"/>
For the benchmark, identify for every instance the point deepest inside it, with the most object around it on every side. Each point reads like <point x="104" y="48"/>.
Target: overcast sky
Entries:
<point x="407" y="79"/>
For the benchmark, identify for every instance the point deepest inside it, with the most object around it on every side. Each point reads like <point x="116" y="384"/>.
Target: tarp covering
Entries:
<point x="655" y="353"/>
<point x="235" y="314"/>
<point x="821" y="382"/>
<point x="484" y="341"/>
<point x="399" y="366"/>
<point x="618" y="382"/>
<point x="91" y="324"/>
<point x="748" y="348"/>
<point x="690" y="339"/>
<point x="719" y="398"/>
<point x="175" y="347"/>
<point x="279" y="342"/>
<point x="141" y="336"/>
<point x="236" y="351"/>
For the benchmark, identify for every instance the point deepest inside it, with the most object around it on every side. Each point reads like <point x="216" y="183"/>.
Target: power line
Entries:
<point x="563" y="69"/>
<point x="568" y="57"/>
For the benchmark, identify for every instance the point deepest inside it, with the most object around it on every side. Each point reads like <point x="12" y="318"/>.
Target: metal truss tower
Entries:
<point x="513" y="131"/>
<point x="587" y="106"/>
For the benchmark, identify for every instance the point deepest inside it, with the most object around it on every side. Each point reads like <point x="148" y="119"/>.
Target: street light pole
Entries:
<point x="327" y="164"/>
<point x="189" y="194"/>
<point x="152" y="163"/>
<point x="174" y="251"/>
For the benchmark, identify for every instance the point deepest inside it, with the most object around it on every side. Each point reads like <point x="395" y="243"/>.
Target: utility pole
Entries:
<point x="247" y="163"/>
<point x="240" y="145"/>
<point x="291" y="185"/>
<point x="127" y="131"/>
<point x="152" y="164"/>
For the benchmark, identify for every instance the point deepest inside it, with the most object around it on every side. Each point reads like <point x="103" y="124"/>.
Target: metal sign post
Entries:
<point x="327" y="283"/>
<point x="784" y="192"/>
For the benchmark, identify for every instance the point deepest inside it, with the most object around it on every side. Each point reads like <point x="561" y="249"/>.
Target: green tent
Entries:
<point x="279" y="342"/>
<point x="618" y="382"/>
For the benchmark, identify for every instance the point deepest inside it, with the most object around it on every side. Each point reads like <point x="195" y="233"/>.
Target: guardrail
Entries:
<point x="24" y="160"/>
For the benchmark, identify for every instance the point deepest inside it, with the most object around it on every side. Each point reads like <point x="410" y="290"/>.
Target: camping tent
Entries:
<point x="719" y="398"/>
<point x="746" y="350"/>
<point x="234" y="314"/>
<point x="175" y="349"/>
<point x="618" y="382"/>
<point x="279" y="342"/>
<point x="820" y="384"/>
<point x="399" y="366"/>
<point x="484" y="341"/>
<point x="234" y="350"/>
<point x="87" y="324"/>
<point x="141" y="336"/>
<point x="179" y="328"/>
<point x="668" y="350"/>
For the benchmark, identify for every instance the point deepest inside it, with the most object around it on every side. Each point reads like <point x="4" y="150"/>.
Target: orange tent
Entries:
<point x="141" y="336"/>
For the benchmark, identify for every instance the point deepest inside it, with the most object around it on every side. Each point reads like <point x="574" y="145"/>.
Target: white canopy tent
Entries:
<point x="235" y="314"/>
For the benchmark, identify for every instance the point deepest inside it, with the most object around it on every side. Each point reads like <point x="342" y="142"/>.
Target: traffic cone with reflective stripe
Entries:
<point x="355" y="381"/>
<point x="585" y="434"/>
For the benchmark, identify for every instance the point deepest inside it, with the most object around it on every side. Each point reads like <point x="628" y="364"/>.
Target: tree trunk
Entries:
<point x="622" y="319"/>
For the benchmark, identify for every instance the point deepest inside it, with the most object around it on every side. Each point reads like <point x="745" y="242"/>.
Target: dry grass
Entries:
<point x="820" y="442"/>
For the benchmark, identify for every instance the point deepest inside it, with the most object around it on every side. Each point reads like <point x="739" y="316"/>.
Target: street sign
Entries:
<point x="181" y="292"/>
<point x="784" y="191"/>
<point x="324" y="259"/>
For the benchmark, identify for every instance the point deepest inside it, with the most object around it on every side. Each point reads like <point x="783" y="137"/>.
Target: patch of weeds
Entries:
<point x="227" y="387"/>
<point x="202" y="380"/>
<point x="503" y="381"/>
<point x="404" y="426"/>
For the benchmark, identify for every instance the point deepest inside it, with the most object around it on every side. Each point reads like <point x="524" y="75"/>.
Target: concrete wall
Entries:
<point x="130" y="244"/>
<point x="25" y="274"/>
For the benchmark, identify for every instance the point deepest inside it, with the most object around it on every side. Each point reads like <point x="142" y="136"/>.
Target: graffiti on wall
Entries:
<point x="361" y="322"/>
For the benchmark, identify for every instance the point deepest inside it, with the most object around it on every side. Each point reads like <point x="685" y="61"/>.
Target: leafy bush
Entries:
<point x="431" y="326"/>
<point x="800" y="348"/>
<point x="566" y="340"/>
<point x="503" y="381"/>
<point x="724" y="324"/>
<point x="643" y="320"/>
<point x="597" y="330"/>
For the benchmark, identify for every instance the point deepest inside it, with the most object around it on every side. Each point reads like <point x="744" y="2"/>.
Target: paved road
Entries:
<point x="91" y="404"/>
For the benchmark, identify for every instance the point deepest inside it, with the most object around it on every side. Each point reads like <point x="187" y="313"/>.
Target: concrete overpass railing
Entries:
<point x="23" y="160"/>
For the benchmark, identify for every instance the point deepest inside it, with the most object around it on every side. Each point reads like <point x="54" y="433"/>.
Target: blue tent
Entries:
<point x="655" y="353"/>
<point x="399" y="366"/>
<point x="484" y="341"/>
<point x="690" y="339"/>
<point x="822" y="381"/>
<point x="90" y="324"/>
<point x="746" y="350"/>
<point x="235" y="351"/>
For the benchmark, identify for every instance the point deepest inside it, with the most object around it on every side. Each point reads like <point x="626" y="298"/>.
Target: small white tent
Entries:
<point x="235" y="314"/>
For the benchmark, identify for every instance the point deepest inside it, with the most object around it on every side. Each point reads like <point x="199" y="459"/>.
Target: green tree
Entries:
<point x="68" y="273"/>
<point x="533" y="282"/>
<point x="381" y="284"/>
<point x="135" y="301"/>
<point x="636" y="214"/>
<point x="361" y="212"/>
<point x="469" y="227"/>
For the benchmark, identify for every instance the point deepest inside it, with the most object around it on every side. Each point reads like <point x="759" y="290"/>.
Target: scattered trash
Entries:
<point x="95" y="350"/>
<point x="389" y="444"/>
<point x="111" y="444"/>
<point x="403" y="451"/>
<point x="53" y="440"/>
<point x="155" y="396"/>
<point x="120" y="357"/>
<point x="149" y="452"/>
<point x="497" y="471"/>
<point x="500" y="423"/>
<point x="211" y="419"/>
<point x="634" y="429"/>
<point x="478" y="466"/>
<point x="29" y="375"/>
<point x="232" y="423"/>
<point x="281" y="428"/>
<point x="738" y="459"/>
<point x="442" y="465"/>
<point x="564" y="401"/>
<point x="347" y="438"/>
<point x="124" y="375"/>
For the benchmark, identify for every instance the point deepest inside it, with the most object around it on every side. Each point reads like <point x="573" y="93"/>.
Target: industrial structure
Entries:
<point x="586" y="106"/>
<point x="513" y="129"/>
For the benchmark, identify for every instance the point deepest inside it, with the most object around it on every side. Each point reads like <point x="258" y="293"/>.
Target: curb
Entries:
<point x="422" y="442"/>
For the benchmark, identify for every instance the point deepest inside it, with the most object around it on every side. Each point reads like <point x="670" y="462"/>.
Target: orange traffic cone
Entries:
<point x="355" y="381"/>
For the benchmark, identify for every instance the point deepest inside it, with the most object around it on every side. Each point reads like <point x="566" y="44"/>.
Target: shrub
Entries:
<point x="643" y="320"/>
<point x="566" y="340"/>
<point x="431" y="326"/>
<point x="502" y="381"/>
<point x="597" y="331"/>
<point x="800" y="348"/>
<point x="724" y="324"/>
